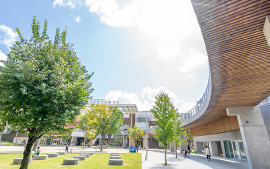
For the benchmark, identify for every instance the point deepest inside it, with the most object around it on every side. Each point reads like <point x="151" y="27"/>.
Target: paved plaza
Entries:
<point x="155" y="158"/>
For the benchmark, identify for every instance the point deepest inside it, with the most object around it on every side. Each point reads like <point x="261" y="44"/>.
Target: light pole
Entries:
<point x="146" y="140"/>
<point x="130" y="132"/>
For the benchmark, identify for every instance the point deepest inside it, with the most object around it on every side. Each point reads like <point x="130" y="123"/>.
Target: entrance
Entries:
<point x="79" y="141"/>
<point x="234" y="149"/>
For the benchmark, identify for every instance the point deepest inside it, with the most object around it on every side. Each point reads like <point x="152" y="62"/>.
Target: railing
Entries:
<point x="201" y="102"/>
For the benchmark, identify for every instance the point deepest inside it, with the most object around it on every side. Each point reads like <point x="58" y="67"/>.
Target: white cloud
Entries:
<point x="70" y="3"/>
<point x="191" y="61"/>
<point x="78" y="19"/>
<point x="158" y="18"/>
<point x="2" y="57"/>
<point x="7" y="36"/>
<point x="145" y="99"/>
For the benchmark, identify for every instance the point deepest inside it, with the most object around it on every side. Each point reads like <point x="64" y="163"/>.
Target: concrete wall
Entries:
<point x="231" y="135"/>
<point x="265" y="109"/>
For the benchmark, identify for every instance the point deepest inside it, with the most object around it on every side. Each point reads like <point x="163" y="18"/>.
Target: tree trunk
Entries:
<point x="27" y="152"/>
<point x="101" y="147"/>
<point x="165" y="155"/>
<point x="175" y="149"/>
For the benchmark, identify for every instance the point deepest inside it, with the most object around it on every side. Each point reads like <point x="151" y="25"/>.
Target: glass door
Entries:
<point x="228" y="149"/>
<point x="242" y="151"/>
<point x="236" y="150"/>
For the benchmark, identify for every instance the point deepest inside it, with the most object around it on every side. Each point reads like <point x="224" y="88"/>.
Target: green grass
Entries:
<point x="6" y="143"/>
<point x="96" y="161"/>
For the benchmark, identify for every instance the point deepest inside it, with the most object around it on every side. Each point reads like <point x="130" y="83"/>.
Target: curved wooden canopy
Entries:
<point x="238" y="54"/>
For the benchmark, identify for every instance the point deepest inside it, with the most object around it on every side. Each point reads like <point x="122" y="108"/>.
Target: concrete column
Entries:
<point x="254" y="135"/>
<point x="172" y="147"/>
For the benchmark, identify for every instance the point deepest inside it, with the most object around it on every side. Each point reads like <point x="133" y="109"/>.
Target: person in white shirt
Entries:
<point x="207" y="152"/>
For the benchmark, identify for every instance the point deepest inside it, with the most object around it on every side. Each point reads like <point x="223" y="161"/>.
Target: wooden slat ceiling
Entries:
<point x="238" y="54"/>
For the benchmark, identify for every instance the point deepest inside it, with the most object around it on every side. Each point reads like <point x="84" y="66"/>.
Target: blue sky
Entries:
<point x="136" y="48"/>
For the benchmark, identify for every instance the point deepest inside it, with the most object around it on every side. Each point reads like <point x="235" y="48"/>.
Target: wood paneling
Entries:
<point x="220" y="126"/>
<point x="238" y="55"/>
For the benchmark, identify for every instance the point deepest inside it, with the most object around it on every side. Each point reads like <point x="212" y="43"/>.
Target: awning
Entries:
<point x="77" y="134"/>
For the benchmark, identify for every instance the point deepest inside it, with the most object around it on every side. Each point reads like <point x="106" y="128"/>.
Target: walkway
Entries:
<point x="156" y="159"/>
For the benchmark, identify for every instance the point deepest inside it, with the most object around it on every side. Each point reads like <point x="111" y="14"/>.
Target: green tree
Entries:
<point x="178" y="135"/>
<point x="189" y="138"/>
<point x="166" y="117"/>
<point x="135" y="133"/>
<point x="88" y="133"/>
<point x="104" y="120"/>
<point x="43" y="85"/>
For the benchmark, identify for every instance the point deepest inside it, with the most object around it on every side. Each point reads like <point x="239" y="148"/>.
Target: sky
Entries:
<point x="136" y="48"/>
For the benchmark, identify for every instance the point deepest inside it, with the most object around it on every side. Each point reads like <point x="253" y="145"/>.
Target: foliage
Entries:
<point x="189" y="137"/>
<point x="43" y="85"/>
<point x="88" y="133"/>
<point x="178" y="133"/>
<point x="160" y="147"/>
<point x="104" y="120"/>
<point x="166" y="117"/>
<point x="117" y="137"/>
<point x="135" y="133"/>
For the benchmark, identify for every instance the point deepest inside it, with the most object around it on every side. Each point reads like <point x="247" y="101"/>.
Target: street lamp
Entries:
<point x="146" y="139"/>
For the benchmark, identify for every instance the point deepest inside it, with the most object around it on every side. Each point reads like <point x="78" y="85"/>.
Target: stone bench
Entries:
<point x="52" y="154"/>
<point x="61" y="153"/>
<point x="115" y="157"/>
<point x="40" y="157"/>
<point x="116" y="162"/>
<point x="17" y="161"/>
<point x="71" y="161"/>
<point x="80" y="157"/>
<point x="86" y="155"/>
<point x="114" y="153"/>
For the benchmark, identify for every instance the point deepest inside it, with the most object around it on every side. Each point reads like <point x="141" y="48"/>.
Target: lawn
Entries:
<point x="6" y="143"/>
<point x="98" y="160"/>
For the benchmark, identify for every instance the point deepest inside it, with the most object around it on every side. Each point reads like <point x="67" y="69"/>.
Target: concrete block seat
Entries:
<point x="114" y="153"/>
<point x="40" y="157"/>
<point x="115" y="157"/>
<point x="61" y="153"/>
<point x="86" y="155"/>
<point x="89" y="153"/>
<point x="80" y="157"/>
<point x="116" y="162"/>
<point x="71" y="161"/>
<point x="17" y="161"/>
<point x="52" y="154"/>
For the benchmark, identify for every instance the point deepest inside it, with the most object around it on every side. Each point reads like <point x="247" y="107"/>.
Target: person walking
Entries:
<point x="188" y="151"/>
<point x="66" y="148"/>
<point x="207" y="152"/>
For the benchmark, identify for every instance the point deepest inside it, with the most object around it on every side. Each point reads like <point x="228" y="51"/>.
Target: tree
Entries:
<point x="189" y="137"/>
<point x="88" y="133"/>
<point x="166" y="116"/>
<point x="178" y="134"/>
<point x="135" y="133"/>
<point x="43" y="85"/>
<point x="104" y="120"/>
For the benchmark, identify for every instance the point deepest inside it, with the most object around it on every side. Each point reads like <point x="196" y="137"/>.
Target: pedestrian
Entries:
<point x="38" y="151"/>
<point x="66" y="148"/>
<point x="137" y="148"/>
<point x="188" y="151"/>
<point x="184" y="154"/>
<point x="207" y="152"/>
